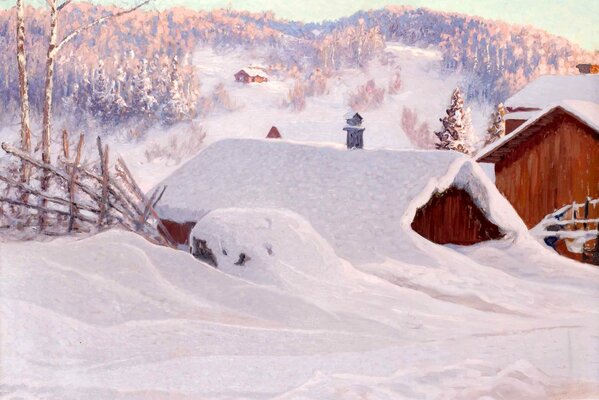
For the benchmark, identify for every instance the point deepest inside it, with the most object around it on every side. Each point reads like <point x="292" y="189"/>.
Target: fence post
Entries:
<point x="73" y="184"/>
<point x="104" y="167"/>
<point x="587" y="204"/>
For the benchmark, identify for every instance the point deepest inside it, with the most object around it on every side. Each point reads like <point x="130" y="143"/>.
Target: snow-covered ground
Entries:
<point x="309" y="315"/>
<point x="116" y="317"/>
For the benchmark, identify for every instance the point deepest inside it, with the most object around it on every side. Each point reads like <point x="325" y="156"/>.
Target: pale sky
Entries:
<point x="576" y="20"/>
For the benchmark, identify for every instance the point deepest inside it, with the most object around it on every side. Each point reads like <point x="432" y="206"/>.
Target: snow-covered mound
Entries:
<point x="362" y="202"/>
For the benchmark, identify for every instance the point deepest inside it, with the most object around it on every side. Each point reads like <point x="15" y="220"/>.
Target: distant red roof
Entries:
<point x="273" y="133"/>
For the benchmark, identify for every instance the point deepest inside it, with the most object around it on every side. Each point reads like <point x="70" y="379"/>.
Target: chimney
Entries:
<point x="588" y="68"/>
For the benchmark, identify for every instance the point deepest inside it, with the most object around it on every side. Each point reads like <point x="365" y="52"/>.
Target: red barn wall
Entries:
<point x="453" y="217"/>
<point x="512" y="124"/>
<point x="552" y="168"/>
<point x="179" y="231"/>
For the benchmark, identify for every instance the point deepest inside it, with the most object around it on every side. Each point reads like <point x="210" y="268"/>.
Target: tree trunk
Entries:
<point x="47" y="110"/>
<point x="23" y="91"/>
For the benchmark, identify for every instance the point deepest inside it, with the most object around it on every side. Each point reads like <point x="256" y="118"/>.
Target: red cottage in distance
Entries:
<point x="251" y="74"/>
<point x="274" y="133"/>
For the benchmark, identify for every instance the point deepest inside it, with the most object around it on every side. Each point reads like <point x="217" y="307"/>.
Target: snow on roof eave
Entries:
<point x="464" y="173"/>
<point x="568" y="106"/>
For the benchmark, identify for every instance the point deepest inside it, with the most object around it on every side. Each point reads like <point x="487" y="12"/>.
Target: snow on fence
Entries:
<point x="577" y="222"/>
<point x="81" y="198"/>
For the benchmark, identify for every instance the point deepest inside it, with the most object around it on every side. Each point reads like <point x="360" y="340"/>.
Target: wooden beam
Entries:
<point x="73" y="184"/>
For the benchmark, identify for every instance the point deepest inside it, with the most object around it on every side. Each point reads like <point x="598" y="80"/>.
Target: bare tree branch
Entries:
<point x="98" y="21"/>
<point x="64" y="4"/>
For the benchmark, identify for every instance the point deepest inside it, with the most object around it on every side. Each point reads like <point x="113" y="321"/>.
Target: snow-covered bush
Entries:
<point x="221" y="99"/>
<point x="395" y="83"/>
<point x="418" y="133"/>
<point x="296" y="97"/>
<point x="183" y="144"/>
<point x="366" y="97"/>
<point x="317" y="83"/>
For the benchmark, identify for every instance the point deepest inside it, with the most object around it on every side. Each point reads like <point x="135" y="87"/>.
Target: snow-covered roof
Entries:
<point x="521" y="115"/>
<point x="584" y="111"/>
<point x="254" y="71"/>
<point x="351" y="114"/>
<point x="351" y="197"/>
<point x="549" y="89"/>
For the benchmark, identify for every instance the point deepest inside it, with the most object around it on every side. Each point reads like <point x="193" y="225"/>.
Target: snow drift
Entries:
<point x="114" y="316"/>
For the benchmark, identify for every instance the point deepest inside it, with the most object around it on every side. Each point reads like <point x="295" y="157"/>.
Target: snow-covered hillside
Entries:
<point x="426" y="88"/>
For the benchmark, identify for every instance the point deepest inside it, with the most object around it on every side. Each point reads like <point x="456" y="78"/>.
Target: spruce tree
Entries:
<point x="142" y="98"/>
<point x="101" y="97"/>
<point x="457" y="133"/>
<point x="176" y="108"/>
<point x="496" y="128"/>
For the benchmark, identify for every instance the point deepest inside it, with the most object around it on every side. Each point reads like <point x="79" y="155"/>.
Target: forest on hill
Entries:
<point x="139" y="67"/>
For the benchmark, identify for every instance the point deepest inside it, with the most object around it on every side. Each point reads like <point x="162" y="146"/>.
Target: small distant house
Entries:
<point x="588" y="68"/>
<point x="549" y="161"/>
<point x="273" y="133"/>
<point x="251" y="74"/>
<point x="547" y="90"/>
<point x="354" y="130"/>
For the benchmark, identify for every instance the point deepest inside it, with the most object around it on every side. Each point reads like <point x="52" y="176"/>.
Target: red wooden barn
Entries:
<point x="549" y="161"/>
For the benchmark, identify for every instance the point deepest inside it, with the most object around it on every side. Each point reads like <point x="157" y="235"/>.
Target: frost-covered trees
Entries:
<point x="496" y="127"/>
<point x="176" y="108"/>
<point x="143" y="101"/>
<point x="101" y="101"/>
<point x="457" y="132"/>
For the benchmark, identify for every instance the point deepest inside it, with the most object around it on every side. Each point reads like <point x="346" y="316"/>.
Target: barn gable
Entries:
<point x="452" y="216"/>
<point x="549" y="161"/>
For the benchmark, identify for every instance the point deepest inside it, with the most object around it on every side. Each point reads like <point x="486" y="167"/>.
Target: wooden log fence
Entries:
<point x="88" y="201"/>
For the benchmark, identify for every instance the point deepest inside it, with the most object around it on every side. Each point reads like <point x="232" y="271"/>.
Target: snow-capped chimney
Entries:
<point x="588" y="68"/>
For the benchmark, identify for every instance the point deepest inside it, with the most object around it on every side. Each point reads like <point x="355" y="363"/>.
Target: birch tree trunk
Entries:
<point x="23" y="90"/>
<point x="49" y="85"/>
<point x="47" y="110"/>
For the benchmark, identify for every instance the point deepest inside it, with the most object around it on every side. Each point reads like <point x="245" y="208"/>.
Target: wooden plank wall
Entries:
<point x="554" y="167"/>
<point x="453" y="217"/>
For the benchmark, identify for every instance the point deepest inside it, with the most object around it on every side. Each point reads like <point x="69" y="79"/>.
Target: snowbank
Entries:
<point x="114" y="316"/>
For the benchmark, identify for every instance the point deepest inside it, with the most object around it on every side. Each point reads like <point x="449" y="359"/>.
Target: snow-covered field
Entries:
<point x="308" y="315"/>
<point x="115" y="317"/>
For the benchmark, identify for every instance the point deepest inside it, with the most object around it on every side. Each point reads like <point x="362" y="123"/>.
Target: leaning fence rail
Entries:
<point x="81" y="198"/>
